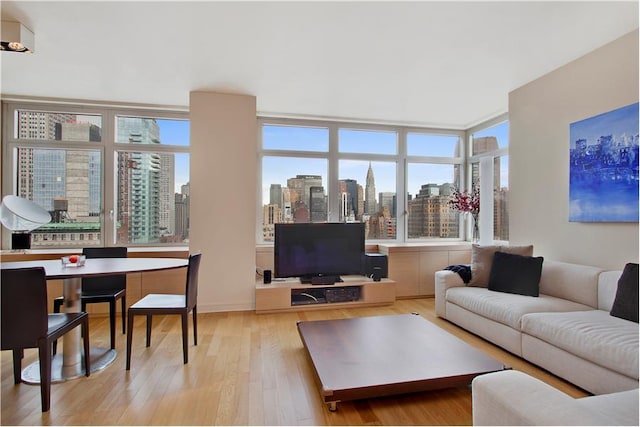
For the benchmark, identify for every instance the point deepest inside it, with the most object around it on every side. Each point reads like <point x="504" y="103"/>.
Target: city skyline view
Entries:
<point x="367" y="184"/>
<point x="151" y="188"/>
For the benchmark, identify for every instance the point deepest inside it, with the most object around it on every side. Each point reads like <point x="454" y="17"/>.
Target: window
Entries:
<point x="339" y="172"/>
<point x="433" y="169"/>
<point x="367" y="193"/>
<point x="79" y="162"/>
<point x="492" y="142"/>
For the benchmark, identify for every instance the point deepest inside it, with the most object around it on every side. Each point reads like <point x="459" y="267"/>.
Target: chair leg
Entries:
<point x="185" y="336"/>
<point x="124" y="313"/>
<point x="18" y="354"/>
<point x="149" y="319"/>
<point x="195" y="325"/>
<point x="87" y="350"/>
<point x="112" y="323"/>
<point x="129" y="338"/>
<point x="44" y="352"/>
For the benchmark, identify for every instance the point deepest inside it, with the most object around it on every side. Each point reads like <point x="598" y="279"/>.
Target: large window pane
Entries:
<point x="364" y="141"/>
<point x="367" y="193"/>
<point x="500" y="194"/>
<point x="152" y="197"/>
<point x="139" y="130"/>
<point x="293" y="190"/>
<point x="57" y="126"/>
<point x="67" y="183"/>
<point x="421" y="144"/>
<point x="430" y="187"/>
<point x="501" y="201"/>
<point x="295" y="138"/>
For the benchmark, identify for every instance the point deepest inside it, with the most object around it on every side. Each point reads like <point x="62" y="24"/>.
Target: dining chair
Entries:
<point x="181" y="304"/>
<point x="103" y="289"/>
<point x="26" y="323"/>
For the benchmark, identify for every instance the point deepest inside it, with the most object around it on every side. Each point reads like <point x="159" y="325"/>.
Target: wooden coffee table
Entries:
<point x="376" y="356"/>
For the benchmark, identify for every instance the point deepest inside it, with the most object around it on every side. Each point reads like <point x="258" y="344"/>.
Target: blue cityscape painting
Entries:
<point x="603" y="177"/>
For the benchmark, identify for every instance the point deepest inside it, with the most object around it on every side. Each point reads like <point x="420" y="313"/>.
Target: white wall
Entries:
<point x="223" y="198"/>
<point x="539" y="116"/>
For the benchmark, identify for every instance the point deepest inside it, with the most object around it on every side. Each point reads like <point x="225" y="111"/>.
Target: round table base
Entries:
<point x="100" y="359"/>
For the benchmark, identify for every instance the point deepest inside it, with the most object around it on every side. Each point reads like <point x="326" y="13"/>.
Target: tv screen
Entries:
<point x="308" y="250"/>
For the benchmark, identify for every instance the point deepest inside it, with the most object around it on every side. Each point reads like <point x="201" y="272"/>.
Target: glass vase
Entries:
<point x="475" y="230"/>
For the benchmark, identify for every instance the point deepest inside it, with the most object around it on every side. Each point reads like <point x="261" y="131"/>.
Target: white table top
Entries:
<point x="99" y="266"/>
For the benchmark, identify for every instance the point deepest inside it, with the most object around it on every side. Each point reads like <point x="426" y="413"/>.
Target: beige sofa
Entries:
<point x="515" y="398"/>
<point x="566" y="330"/>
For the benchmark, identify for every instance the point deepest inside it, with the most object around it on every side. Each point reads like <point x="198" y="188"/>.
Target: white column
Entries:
<point x="486" y="201"/>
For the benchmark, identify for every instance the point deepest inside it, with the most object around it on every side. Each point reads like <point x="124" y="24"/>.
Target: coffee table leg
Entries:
<point x="333" y="406"/>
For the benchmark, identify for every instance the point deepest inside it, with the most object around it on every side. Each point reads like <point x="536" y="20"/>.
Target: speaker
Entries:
<point x="375" y="266"/>
<point x="266" y="276"/>
<point x="21" y="241"/>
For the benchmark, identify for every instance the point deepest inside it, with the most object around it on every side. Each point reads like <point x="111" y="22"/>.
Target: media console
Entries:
<point x="290" y="294"/>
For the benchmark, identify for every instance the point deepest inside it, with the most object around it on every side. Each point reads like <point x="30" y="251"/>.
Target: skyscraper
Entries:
<point x="138" y="182"/>
<point x="370" y="193"/>
<point x="349" y="194"/>
<point x="275" y="195"/>
<point x="166" y="195"/>
<point x="388" y="200"/>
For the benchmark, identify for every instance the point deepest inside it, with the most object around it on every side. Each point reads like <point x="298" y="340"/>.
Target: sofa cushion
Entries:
<point x="593" y="335"/>
<point x="506" y="308"/>
<point x="482" y="260"/>
<point x="625" y="305"/>
<point x="573" y="282"/>
<point x="515" y="274"/>
<point x="607" y="286"/>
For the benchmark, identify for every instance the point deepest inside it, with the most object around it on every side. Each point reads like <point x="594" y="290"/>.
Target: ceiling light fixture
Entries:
<point x="16" y="38"/>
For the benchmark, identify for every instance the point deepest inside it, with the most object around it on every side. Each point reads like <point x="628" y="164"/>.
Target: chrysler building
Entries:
<point x="370" y="193"/>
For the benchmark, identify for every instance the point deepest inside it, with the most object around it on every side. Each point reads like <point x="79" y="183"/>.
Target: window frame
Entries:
<point x="475" y="160"/>
<point x="107" y="146"/>
<point x="333" y="156"/>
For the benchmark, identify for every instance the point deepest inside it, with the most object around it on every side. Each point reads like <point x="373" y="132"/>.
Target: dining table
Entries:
<point x="70" y="364"/>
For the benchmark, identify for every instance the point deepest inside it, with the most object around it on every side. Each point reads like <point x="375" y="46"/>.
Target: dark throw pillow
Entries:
<point x="482" y="259"/>
<point x="625" y="306"/>
<point x="515" y="274"/>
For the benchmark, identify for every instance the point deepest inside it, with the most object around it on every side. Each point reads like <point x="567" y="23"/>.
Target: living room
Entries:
<point x="540" y="110"/>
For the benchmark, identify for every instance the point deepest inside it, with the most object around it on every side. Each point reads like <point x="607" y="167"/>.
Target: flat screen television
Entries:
<point x="318" y="250"/>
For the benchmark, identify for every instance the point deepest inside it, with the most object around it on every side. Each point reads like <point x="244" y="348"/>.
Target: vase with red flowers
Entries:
<point x="469" y="204"/>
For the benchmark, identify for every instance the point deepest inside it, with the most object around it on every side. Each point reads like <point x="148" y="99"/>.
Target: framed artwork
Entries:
<point x="603" y="170"/>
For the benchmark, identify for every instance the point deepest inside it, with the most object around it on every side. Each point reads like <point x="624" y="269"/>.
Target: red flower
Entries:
<point x="463" y="201"/>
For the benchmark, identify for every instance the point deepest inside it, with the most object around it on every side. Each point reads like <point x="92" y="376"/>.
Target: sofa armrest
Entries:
<point x="515" y="398"/>
<point x="445" y="279"/>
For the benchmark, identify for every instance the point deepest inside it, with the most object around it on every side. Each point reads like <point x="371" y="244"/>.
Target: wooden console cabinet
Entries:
<point x="413" y="266"/>
<point x="291" y="295"/>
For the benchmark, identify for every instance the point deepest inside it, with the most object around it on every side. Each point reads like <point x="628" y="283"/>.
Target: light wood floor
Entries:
<point x="247" y="369"/>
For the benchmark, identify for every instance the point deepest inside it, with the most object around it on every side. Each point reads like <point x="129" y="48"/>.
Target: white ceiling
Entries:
<point x="442" y="64"/>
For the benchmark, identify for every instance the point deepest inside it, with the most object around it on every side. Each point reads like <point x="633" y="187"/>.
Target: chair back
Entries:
<point x="192" y="280"/>
<point x="115" y="282"/>
<point x="24" y="307"/>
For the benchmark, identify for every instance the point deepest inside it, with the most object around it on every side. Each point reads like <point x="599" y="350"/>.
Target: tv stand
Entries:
<point x="353" y="291"/>
<point x="320" y="280"/>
